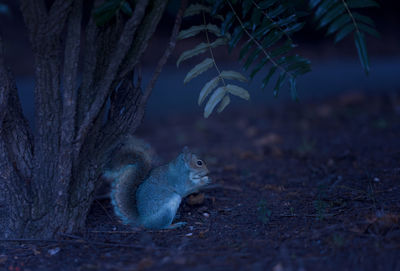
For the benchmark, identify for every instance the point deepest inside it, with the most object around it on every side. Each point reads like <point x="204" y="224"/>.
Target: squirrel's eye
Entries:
<point x="199" y="163"/>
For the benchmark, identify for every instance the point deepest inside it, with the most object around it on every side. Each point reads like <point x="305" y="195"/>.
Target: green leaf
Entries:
<point x="267" y="4"/>
<point x="236" y="36"/>
<point x="105" y="12"/>
<point x="363" y="19"/>
<point x="362" y="3"/>
<point x="4" y="9"/>
<point x="104" y="18"/>
<point x="194" y="30"/>
<point x="224" y="103"/>
<point x="294" y="28"/>
<point x="258" y="68"/>
<point x="323" y="8"/>
<point x="255" y="18"/>
<point x="227" y="23"/>
<point x="199" y="69"/>
<point x="298" y="63"/>
<point x="215" y="98"/>
<point x="338" y="23"/>
<point x="217" y="5"/>
<point x="250" y="59"/>
<point x="264" y="28"/>
<point x="301" y="70"/>
<point x="233" y="75"/>
<point x="344" y="32"/>
<point x="238" y="91"/>
<point x="362" y="50"/>
<point x="368" y="29"/>
<point x="246" y="7"/>
<point x="201" y="48"/>
<point x="272" y="38"/>
<point x="286" y="21"/>
<point x="284" y="49"/>
<point x="279" y="82"/>
<point x="293" y="90"/>
<point x="331" y="15"/>
<point x="245" y="49"/>
<point x="314" y="3"/>
<point x="276" y="11"/>
<point x="194" y="9"/>
<point x="269" y="75"/>
<point x="208" y="87"/>
<point x="107" y="6"/>
<point x="126" y="8"/>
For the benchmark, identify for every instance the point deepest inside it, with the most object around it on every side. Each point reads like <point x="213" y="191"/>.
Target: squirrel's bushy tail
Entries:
<point x="129" y="164"/>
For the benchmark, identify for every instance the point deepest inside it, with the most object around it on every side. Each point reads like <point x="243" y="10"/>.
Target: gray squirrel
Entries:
<point x="149" y="196"/>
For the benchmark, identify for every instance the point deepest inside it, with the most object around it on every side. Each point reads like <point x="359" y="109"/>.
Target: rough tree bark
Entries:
<point x="47" y="180"/>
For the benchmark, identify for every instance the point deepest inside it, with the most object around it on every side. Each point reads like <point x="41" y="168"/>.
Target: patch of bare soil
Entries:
<point x="296" y="187"/>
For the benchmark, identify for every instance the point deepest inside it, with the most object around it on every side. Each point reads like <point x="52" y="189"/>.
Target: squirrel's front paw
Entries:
<point x="176" y="225"/>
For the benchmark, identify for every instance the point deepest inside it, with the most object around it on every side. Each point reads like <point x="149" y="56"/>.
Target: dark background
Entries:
<point x="336" y="68"/>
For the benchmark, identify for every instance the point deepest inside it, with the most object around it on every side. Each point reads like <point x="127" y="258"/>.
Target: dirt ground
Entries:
<point x="300" y="186"/>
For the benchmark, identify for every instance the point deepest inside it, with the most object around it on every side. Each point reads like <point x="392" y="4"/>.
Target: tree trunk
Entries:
<point x="48" y="181"/>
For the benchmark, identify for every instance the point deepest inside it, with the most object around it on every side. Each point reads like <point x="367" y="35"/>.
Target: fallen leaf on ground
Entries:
<point x="268" y="139"/>
<point x="145" y="263"/>
<point x="195" y="199"/>
<point x="250" y="155"/>
<point x="276" y="188"/>
<point x="251" y="131"/>
<point x="324" y="110"/>
<point x="3" y="259"/>
<point x="378" y="224"/>
<point x="351" y="98"/>
<point x="383" y="223"/>
<point x="230" y="167"/>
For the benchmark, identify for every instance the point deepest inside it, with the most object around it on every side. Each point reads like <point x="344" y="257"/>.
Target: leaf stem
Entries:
<point x="211" y="52"/>
<point x="258" y="43"/>
<point x="351" y="16"/>
<point x="272" y="20"/>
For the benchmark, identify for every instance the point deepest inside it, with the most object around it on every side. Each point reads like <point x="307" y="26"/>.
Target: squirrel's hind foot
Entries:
<point x="176" y="225"/>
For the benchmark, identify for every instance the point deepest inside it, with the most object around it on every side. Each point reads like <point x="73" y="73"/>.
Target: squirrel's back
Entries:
<point x="130" y="162"/>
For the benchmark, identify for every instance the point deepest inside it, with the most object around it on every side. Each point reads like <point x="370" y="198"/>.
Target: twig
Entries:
<point x="4" y="88"/>
<point x="258" y="43"/>
<point x="105" y="210"/>
<point x="167" y="53"/>
<point x="227" y="187"/>
<point x="70" y="242"/>
<point x="70" y="78"/>
<point x="310" y="215"/>
<point x="272" y="20"/>
<point x="211" y="51"/>
<point x="105" y="84"/>
<point x="351" y="16"/>
<point x="115" y="232"/>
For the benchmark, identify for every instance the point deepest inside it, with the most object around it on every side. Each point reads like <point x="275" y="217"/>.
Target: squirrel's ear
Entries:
<point x="185" y="150"/>
<point x="186" y="154"/>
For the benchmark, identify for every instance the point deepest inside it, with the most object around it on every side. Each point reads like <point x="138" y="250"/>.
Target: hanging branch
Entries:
<point x="134" y="112"/>
<point x="167" y="53"/>
<point x="115" y="60"/>
<point x="14" y="130"/>
<point x="143" y="36"/>
<point x="70" y="78"/>
<point x="4" y="90"/>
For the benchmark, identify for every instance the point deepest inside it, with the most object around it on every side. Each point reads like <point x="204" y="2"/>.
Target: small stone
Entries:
<point x="54" y="251"/>
<point x="206" y="214"/>
<point x="377" y="180"/>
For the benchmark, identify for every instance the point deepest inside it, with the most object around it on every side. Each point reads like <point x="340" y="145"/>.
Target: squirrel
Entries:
<point x="147" y="195"/>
